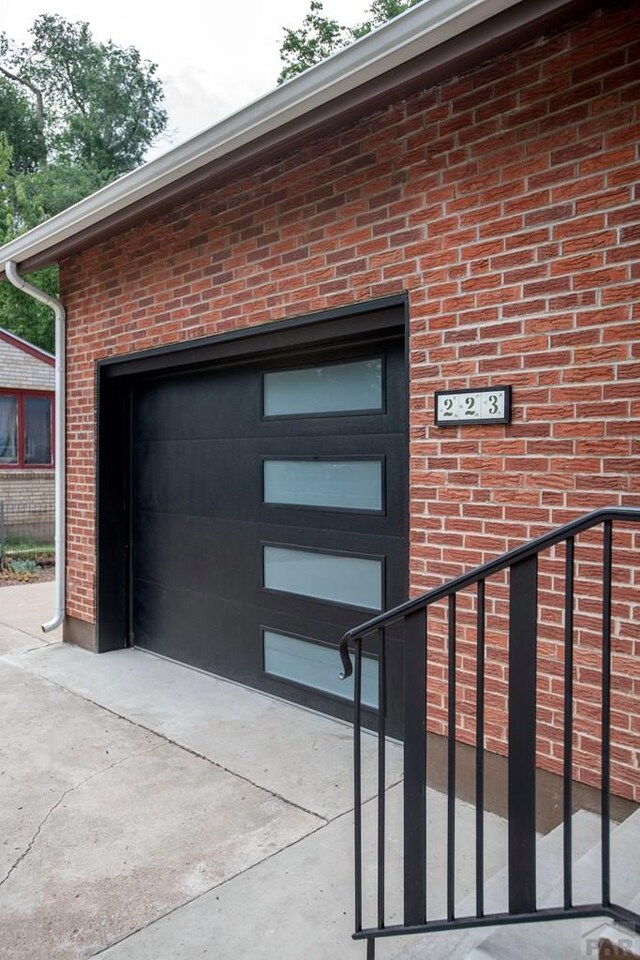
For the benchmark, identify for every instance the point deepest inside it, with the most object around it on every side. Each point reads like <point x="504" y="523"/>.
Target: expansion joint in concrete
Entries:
<point x="182" y="746"/>
<point x="227" y="880"/>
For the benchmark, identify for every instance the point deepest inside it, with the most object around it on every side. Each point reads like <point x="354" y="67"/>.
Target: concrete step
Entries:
<point x="457" y="945"/>
<point x="568" y="939"/>
<point x="576" y="939"/>
<point x="549" y="859"/>
<point x="496" y="852"/>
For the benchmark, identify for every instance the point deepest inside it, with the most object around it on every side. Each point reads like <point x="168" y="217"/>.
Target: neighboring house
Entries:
<point x="258" y="322"/>
<point x="26" y="434"/>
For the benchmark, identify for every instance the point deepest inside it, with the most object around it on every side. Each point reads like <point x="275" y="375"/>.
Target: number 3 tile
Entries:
<point x="493" y="405"/>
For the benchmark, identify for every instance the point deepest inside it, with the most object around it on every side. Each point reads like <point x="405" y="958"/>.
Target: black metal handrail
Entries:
<point x="522" y="562"/>
<point x="525" y="550"/>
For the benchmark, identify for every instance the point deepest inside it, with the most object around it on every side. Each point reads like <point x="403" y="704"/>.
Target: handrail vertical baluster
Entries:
<point x="382" y="733"/>
<point x="357" y="781"/>
<point x="567" y="837"/>
<point x="480" y="612"/>
<point x="415" y="769"/>
<point x="523" y="618"/>
<point x="606" y="712"/>
<point x="451" y="762"/>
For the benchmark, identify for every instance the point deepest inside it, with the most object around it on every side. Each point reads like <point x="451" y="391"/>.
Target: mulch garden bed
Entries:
<point x="44" y="575"/>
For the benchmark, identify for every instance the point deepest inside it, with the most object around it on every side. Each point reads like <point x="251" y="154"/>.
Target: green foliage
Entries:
<point x="319" y="36"/>
<point x="315" y="40"/>
<point x="28" y="318"/>
<point x="28" y="567"/>
<point x="102" y="102"/>
<point x="21" y="204"/>
<point x="56" y="186"/>
<point x="18" y="116"/>
<point x="74" y="114"/>
<point x="379" y="12"/>
<point x="24" y="571"/>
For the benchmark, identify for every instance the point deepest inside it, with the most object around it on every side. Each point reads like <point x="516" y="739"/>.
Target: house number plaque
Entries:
<point x="483" y="405"/>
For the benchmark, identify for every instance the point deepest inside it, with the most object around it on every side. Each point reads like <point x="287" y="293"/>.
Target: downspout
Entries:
<point x="12" y="275"/>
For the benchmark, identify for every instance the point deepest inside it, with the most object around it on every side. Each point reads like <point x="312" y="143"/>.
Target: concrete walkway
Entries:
<point x="152" y="812"/>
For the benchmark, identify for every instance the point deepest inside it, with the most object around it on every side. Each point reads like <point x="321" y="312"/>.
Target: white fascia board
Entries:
<point x="418" y="30"/>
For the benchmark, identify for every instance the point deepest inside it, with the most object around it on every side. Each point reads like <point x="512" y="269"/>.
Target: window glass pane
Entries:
<point x="37" y="430"/>
<point x="337" y="388"/>
<point x="317" y="666"/>
<point x="8" y="429"/>
<point x="349" y="580"/>
<point x="356" y="485"/>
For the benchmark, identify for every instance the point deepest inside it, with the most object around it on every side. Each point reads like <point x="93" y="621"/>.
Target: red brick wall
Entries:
<point x="506" y="203"/>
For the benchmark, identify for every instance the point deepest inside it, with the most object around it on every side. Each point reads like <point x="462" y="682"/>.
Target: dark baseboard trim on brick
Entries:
<point x="548" y="785"/>
<point x="79" y="633"/>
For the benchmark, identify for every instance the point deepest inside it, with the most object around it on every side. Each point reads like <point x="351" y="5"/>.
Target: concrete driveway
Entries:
<point x="152" y="812"/>
<point x="148" y="810"/>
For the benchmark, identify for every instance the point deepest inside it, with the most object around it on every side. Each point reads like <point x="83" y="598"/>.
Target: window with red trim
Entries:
<point x="26" y="429"/>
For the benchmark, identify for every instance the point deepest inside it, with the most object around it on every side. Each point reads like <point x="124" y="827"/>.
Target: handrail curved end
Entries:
<point x="347" y="666"/>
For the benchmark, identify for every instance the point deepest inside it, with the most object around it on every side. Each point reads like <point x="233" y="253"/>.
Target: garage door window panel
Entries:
<point x="317" y="666"/>
<point x="329" y="390"/>
<point x="325" y="483"/>
<point x="344" y="579"/>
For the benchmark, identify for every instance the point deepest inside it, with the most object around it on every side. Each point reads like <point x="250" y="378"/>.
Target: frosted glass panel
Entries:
<point x="337" y="388"/>
<point x="349" y="580"/>
<point x="355" y="485"/>
<point x="316" y="666"/>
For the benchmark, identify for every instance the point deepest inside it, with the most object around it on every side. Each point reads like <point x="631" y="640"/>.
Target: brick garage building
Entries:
<point x="26" y="439"/>
<point x="450" y="204"/>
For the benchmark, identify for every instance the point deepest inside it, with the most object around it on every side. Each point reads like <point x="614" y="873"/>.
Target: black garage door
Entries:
<point x="269" y="516"/>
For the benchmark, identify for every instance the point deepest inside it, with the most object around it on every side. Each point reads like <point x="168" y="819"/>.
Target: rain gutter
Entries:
<point x="12" y="275"/>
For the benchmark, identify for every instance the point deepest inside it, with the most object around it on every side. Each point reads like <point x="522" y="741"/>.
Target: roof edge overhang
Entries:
<point x="423" y="46"/>
<point x="20" y="344"/>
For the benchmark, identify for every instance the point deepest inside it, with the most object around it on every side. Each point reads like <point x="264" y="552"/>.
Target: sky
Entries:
<point x="213" y="57"/>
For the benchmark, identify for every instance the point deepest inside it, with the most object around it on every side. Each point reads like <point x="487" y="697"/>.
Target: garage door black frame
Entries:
<point x="372" y="322"/>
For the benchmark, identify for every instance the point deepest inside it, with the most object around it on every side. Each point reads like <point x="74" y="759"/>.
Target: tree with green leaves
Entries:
<point x="18" y="116"/>
<point x="320" y="36"/>
<point x="26" y="317"/>
<point x="75" y="113"/>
